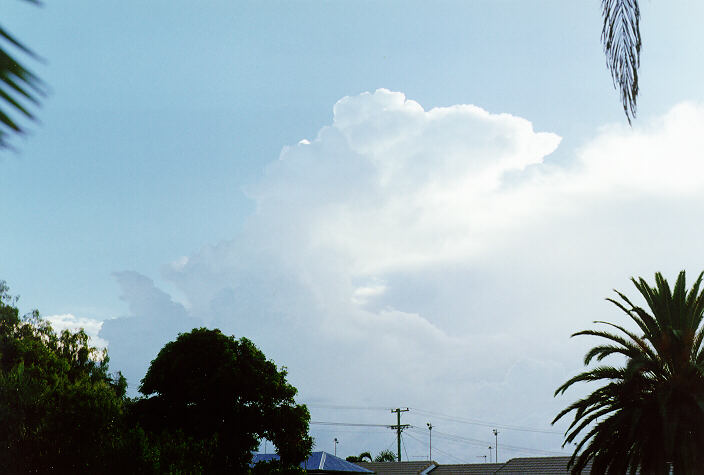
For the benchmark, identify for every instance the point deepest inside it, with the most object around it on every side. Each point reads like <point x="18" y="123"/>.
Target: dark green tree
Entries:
<point x="219" y="396"/>
<point x="620" y="36"/>
<point x="648" y="414"/>
<point x="19" y="87"/>
<point x="60" y="409"/>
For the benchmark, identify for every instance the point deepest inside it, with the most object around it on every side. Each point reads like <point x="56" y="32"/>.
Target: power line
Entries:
<point x="515" y="448"/>
<point x="453" y="437"/>
<point x="404" y="449"/>
<point x="484" y="443"/>
<point x="458" y="438"/>
<point x="483" y="423"/>
<point x="348" y="407"/>
<point x="391" y="444"/>
<point x="344" y="431"/>
<point x="351" y="424"/>
<point x="439" y="415"/>
<point x="439" y="450"/>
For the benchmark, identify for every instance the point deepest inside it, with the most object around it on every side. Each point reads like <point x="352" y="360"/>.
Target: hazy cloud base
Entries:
<point x="433" y="259"/>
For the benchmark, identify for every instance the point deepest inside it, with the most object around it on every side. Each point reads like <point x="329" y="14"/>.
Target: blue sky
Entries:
<point x="157" y="157"/>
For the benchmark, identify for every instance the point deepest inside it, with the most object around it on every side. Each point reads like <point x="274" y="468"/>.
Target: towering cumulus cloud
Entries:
<point x="431" y="258"/>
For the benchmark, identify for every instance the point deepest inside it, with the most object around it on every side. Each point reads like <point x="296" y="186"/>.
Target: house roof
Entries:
<point x="318" y="462"/>
<point x="523" y="466"/>
<point x="541" y="465"/>
<point x="398" y="468"/>
<point x="467" y="469"/>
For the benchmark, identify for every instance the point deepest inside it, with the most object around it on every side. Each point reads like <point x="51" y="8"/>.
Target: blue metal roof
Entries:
<point x="256" y="458"/>
<point x="322" y="461"/>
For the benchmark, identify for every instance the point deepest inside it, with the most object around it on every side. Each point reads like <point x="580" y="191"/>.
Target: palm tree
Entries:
<point x="385" y="456"/>
<point x="18" y="86"/>
<point x="360" y="458"/>
<point x="649" y="413"/>
<point x="620" y="36"/>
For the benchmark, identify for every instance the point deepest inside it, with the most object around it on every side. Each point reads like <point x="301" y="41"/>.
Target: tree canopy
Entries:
<point x="385" y="456"/>
<point x="210" y="399"/>
<point x="363" y="457"/>
<point x="648" y="415"/>
<point x="223" y="392"/>
<point x="60" y="409"/>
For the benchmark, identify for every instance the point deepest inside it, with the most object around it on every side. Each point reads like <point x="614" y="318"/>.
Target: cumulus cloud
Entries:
<point x="391" y="186"/>
<point x="154" y="320"/>
<point x="73" y="323"/>
<point x="406" y="257"/>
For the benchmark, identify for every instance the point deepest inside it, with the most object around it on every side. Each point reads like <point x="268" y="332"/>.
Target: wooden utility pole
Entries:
<point x="399" y="428"/>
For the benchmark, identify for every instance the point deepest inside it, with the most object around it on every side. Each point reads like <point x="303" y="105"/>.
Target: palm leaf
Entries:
<point x="620" y="37"/>
<point x="17" y="85"/>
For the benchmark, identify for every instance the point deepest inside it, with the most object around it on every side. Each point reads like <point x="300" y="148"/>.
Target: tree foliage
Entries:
<point x="363" y="457"/>
<point x="620" y="36"/>
<point x="225" y="395"/>
<point x="19" y="87"/>
<point x="649" y="413"/>
<point x="211" y="399"/>
<point x="385" y="456"/>
<point x="60" y="409"/>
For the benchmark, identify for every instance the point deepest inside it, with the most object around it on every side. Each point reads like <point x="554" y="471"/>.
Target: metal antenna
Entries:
<point x="430" y="431"/>
<point x="496" y="445"/>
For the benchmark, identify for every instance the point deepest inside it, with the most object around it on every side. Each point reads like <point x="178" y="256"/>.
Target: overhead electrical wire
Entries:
<point x="484" y="423"/>
<point x="438" y="449"/>
<point x="484" y="443"/>
<point x="393" y="441"/>
<point x="338" y="430"/>
<point x="349" y="424"/>
<point x="403" y="442"/>
<point x="440" y="416"/>
<point x="445" y="435"/>
<point x="342" y="406"/>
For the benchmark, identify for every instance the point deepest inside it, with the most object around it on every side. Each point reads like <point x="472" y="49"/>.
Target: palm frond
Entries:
<point x="600" y="372"/>
<point x="641" y="342"/>
<point x="582" y="404"/>
<point x="643" y="319"/>
<point x="697" y="349"/>
<point x="621" y="39"/>
<point x="600" y="352"/>
<point x="18" y="86"/>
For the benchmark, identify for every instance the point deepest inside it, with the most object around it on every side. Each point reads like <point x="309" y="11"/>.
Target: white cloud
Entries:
<point x="70" y="322"/>
<point x="362" y="294"/>
<point x="390" y="185"/>
<point x="662" y="158"/>
<point x="432" y="259"/>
